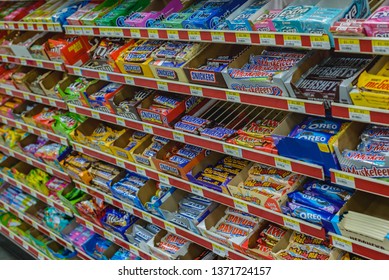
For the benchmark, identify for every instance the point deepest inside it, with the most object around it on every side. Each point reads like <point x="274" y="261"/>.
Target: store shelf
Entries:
<point x="358" y="248"/>
<point x="115" y="239"/>
<point x="33" y="97"/>
<point x="301" y="167"/>
<point x="295" y="40"/>
<point x="25" y="246"/>
<point x="31" y="26"/>
<point x="360" y="114"/>
<point x="43" y="229"/>
<point x="38" y="164"/>
<point x="202" y="241"/>
<point x="34" y="130"/>
<point x="369" y="45"/>
<point x="269" y="101"/>
<point x="47" y="64"/>
<point x="36" y="194"/>
<point x="230" y="201"/>
<point x="362" y="183"/>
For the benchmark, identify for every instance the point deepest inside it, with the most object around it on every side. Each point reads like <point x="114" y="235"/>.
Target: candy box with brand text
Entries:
<point x="20" y="46"/>
<point x="127" y="143"/>
<point x="49" y="82"/>
<point x="139" y="156"/>
<point x="99" y="93"/>
<point x="98" y="11"/>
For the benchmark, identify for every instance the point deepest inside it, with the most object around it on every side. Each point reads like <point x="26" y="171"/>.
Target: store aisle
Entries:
<point x="9" y="251"/>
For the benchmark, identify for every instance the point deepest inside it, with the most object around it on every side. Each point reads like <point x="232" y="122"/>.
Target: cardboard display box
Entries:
<point x="118" y="146"/>
<point x="70" y="204"/>
<point x="50" y="81"/>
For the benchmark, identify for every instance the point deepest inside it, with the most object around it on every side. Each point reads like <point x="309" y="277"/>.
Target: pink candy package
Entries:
<point x="377" y="25"/>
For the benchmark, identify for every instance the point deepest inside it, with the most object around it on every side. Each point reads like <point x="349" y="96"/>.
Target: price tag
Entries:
<point x="18" y="125"/>
<point x="51" y="203"/>
<point x="129" y="80"/>
<point x="320" y="42"/>
<point x="135" y="33"/>
<point x="359" y="115"/>
<point x="40" y="27"/>
<point x="178" y="136"/>
<point x="197" y="190"/>
<point x="89" y="225"/>
<point x="344" y="180"/>
<point x="196" y="91"/>
<point x="72" y="108"/>
<point x="231" y="150"/>
<point x="170" y="227"/>
<point x="25" y="245"/>
<point x="44" y="134"/>
<point x="153" y="34"/>
<point x="6" y="207"/>
<point x="108" y="235"/>
<point x="380" y="46"/>
<point x="57" y="27"/>
<point x="26" y="96"/>
<point x="163" y="86"/>
<point x="148" y="129"/>
<point x="243" y="38"/>
<point x="58" y="67"/>
<point x="95" y="115"/>
<point x="52" y="103"/>
<point x="296" y="106"/>
<point x="11" y="235"/>
<point x="164" y="179"/>
<point x="83" y="188"/>
<point x="120" y="121"/>
<point x="88" y="31"/>
<point x="23" y="61"/>
<point x="141" y="170"/>
<point x="172" y="35"/>
<point x="4" y="58"/>
<point x="50" y="27"/>
<point x="77" y="71"/>
<point x="128" y="208"/>
<point x="39" y="64"/>
<point x="64" y="142"/>
<point x="30" y="26"/>
<point x="108" y="199"/>
<point x="78" y="30"/>
<point x="29" y="161"/>
<point x="41" y="256"/>
<point x="38" y="99"/>
<point x="292" y="40"/>
<point x="349" y="45"/>
<point x="9" y="92"/>
<point x="268" y="39"/>
<point x="340" y="243"/>
<point x="283" y="164"/>
<point x="111" y="31"/>
<point x="120" y="163"/>
<point x="194" y="36"/>
<point x="103" y="76"/>
<point x="233" y="96"/>
<point x="219" y="250"/>
<point x="290" y="223"/>
<point x="134" y="250"/>
<point x="218" y="37"/>
<point x="242" y="206"/>
<point x="11" y="153"/>
<point x="147" y="217"/>
<point x="70" y="30"/>
<point x="68" y="212"/>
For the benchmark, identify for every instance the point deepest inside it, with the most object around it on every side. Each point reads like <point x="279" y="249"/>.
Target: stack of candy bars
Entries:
<point x="124" y="255"/>
<point x="16" y="198"/>
<point x="77" y="165"/>
<point x="173" y="245"/>
<point x="125" y="107"/>
<point x="127" y="188"/>
<point x="55" y="185"/>
<point x="269" y="237"/>
<point x="72" y="93"/>
<point x="348" y="27"/>
<point x="156" y="144"/>
<point x="98" y="100"/>
<point x="135" y="138"/>
<point x="92" y="209"/>
<point x="317" y="202"/>
<point x="117" y="221"/>
<point x="140" y="235"/>
<point x="102" y="175"/>
<point x="241" y="21"/>
<point x="78" y="236"/>
<point x="162" y="103"/>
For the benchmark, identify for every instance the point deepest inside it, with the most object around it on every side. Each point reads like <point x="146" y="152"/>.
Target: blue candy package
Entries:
<point x="318" y="137"/>
<point x="330" y="126"/>
<point x="306" y="213"/>
<point x="313" y="200"/>
<point x="334" y="193"/>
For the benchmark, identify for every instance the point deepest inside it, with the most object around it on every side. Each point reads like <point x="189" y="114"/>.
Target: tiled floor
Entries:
<point x="10" y="251"/>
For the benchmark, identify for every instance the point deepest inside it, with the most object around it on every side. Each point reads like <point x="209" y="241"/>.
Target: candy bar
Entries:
<point x="273" y="232"/>
<point x="318" y="137"/>
<point x="187" y="153"/>
<point x="313" y="200"/>
<point x="266" y="60"/>
<point x="318" y="88"/>
<point x="239" y="221"/>
<point x="149" y="153"/>
<point x="193" y="148"/>
<point x="194" y="121"/>
<point x="169" y="248"/>
<point x="330" y="126"/>
<point x="227" y="168"/>
<point x="217" y="132"/>
<point x="371" y="158"/>
<point x="185" y="127"/>
<point x="306" y="213"/>
<point x="156" y="146"/>
<point x="179" y="160"/>
<point x="334" y="193"/>
<point x="175" y="240"/>
<point x="374" y="146"/>
<point x="230" y="230"/>
<point x="208" y="180"/>
<point x="235" y="162"/>
<point x="166" y="101"/>
<point x="161" y="140"/>
<point x="333" y="72"/>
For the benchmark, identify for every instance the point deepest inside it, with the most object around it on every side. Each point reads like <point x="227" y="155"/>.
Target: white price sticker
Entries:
<point x="11" y="153"/>
<point x="25" y="245"/>
<point x="380" y="46"/>
<point x="243" y="38"/>
<point x="78" y="30"/>
<point x="11" y="235"/>
<point x="89" y="225"/>
<point x="128" y="208"/>
<point x="359" y="115"/>
<point x="9" y="92"/>
<point x="52" y="103"/>
<point x="135" y="33"/>
<point x="83" y="188"/>
<point x="44" y="134"/>
<point x="40" y="27"/>
<point x="233" y="96"/>
<point x="344" y="180"/>
<point x="129" y="80"/>
<point x="108" y="235"/>
<point x="108" y="199"/>
<point x="170" y="227"/>
<point x="196" y="91"/>
<point x="39" y="64"/>
<point x="103" y="76"/>
<point x="147" y="217"/>
<point x="197" y="190"/>
<point x="292" y="40"/>
<point x="153" y="34"/>
<point x="219" y="250"/>
<point x="38" y="99"/>
<point x="232" y="151"/>
<point x="134" y="250"/>
<point x="178" y="136"/>
<point x="218" y="37"/>
<point x="18" y="125"/>
<point x="77" y="71"/>
<point x="164" y="179"/>
<point x="349" y="45"/>
<point x="296" y="106"/>
<point x="283" y="164"/>
<point x="320" y="42"/>
<point x="194" y="36"/>
<point x="64" y="142"/>
<point x="23" y="61"/>
<point x="163" y="86"/>
<point x="148" y="129"/>
<point x="88" y="31"/>
<point x="120" y="121"/>
<point x="95" y="115"/>
<point x="290" y="223"/>
<point x="57" y="27"/>
<point x="72" y="108"/>
<point x="242" y="206"/>
<point x="50" y="27"/>
<point x="141" y="170"/>
<point x="50" y="202"/>
<point x="172" y="35"/>
<point x="30" y="26"/>
<point x="340" y="243"/>
<point x="41" y="256"/>
<point x="29" y="161"/>
<point x="4" y="58"/>
<point x="58" y="67"/>
<point x="120" y="163"/>
<point x="70" y="30"/>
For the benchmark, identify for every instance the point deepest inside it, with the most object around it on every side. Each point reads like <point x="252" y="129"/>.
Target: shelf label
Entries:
<point x="380" y="46"/>
<point x="26" y="96"/>
<point x="218" y="37"/>
<point x="4" y="58"/>
<point x="50" y="27"/>
<point x="219" y="250"/>
<point x="129" y="80"/>
<point x="18" y="125"/>
<point x="108" y="199"/>
<point x="243" y="38"/>
<point x="135" y="33"/>
<point x="111" y="31"/>
<point x="296" y="106"/>
<point x="194" y="36"/>
<point x="233" y="96"/>
<point x="77" y="71"/>
<point x="320" y="42"/>
<point x="153" y="34"/>
<point x="52" y="103"/>
<point x="268" y="39"/>
<point x="95" y="115"/>
<point x="342" y="244"/>
<point x="170" y="227"/>
<point x="120" y="163"/>
<point x="108" y="235"/>
<point x="120" y="121"/>
<point x="172" y="35"/>
<point x="178" y="136"/>
<point x="349" y="45"/>
<point x="89" y="225"/>
<point x="103" y="76"/>
<point x="164" y="179"/>
<point x="283" y="164"/>
<point x="231" y="150"/>
<point x="292" y="40"/>
<point x="242" y="206"/>
<point x="41" y="256"/>
<point x="64" y="142"/>
<point x="9" y="92"/>
<point x="88" y="31"/>
<point x="40" y="27"/>
<point x="29" y="161"/>
<point x="44" y="134"/>
<point x="141" y="170"/>
<point x="39" y="64"/>
<point x="72" y="108"/>
<point x="58" y="67"/>
<point x="23" y="61"/>
<point x="83" y="188"/>
<point x="162" y="86"/>
<point x="38" y="99"/>
<point x="25" y="245"/>
<point x="147" y="217"/>
<point x="290" y="223"/>
<point x="344" y="180"/>
<point x="78" y="30"/>
<point x="197" y="190"/>
<point x="49" y="202"/>
<point x="196" y="91"/>
<point x="30" y="26"/>
<point x="11" y="235"/>
<point x="359" y="115"/>
<point x="11" y="153"/>
<point x="134" y="250"/>
<point x="128" y="208"/>
<point x="148" y="129"/>
<point x="70" y="30"/>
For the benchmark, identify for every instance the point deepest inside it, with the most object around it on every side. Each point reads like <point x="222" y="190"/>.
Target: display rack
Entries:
<point x="46" y="64"/>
